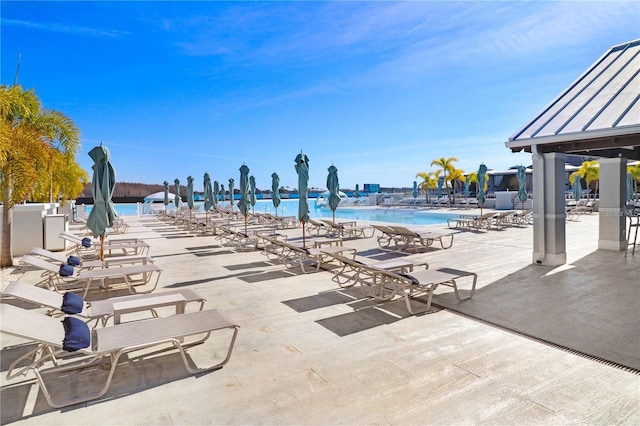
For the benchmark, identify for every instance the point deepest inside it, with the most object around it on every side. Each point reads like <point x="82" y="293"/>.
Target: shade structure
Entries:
<point x="302" y="169"/>
<point x="334" y="188"/>
<point x="414" y="192"/>
<point x="104" y="180"/>
<point x="357" y="194"/>
<point x="252" y="192"/>
<point x="275" y="191"/>
<point x="208" y="193"/>
<point x="482" y="179"/>
<point x="243" y="204"/>
<point x="629" y="187"/>
<point x="216" y="192"/>
<point x="577" y="187"/>
<point x="522" y="185"/>
<point x="231" y="195"/>
<point x="166" y="195"/>
<point x="176" y="202"/>
<point x="467" y="185"/>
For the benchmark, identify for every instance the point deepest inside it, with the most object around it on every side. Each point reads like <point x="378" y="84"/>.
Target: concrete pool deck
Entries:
<point x="289" y="367"/>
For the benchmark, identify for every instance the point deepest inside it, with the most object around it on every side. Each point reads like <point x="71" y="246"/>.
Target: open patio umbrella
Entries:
<point x="357" y="194"/>
<point x="243" y="205"/>
<point x="522" y="185"/>
<point x="176" y="201"/>
<point x="482" y="178"/>
<point x="104" y="180"/>
<point x="629" y="187"/>
<point x="216" y="192"/>
<point x="467" y="184"/>
<point x="414" y="192"/>
<point x="208" y="195"/>
<point x="166" y="196"/>
<point x="302" y="169"/>
<point x="190" y="200"/>
<point x="231" y="195"/>
<point x="577" y="187"/>
<point x="275" y="191"/>
<point x="252" y="193"/>
<point x="334" y="188"/>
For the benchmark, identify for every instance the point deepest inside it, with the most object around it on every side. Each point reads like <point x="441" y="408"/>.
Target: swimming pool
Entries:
<point x="290" y="208"/>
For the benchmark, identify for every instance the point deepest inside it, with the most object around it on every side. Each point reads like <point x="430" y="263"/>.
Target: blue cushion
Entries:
<point x="66" y="270"/>
<point x="72" y="303"/>
<point x="76" y="334"/>
<point x="86" y="242"/>
<point x="73" y="261"/>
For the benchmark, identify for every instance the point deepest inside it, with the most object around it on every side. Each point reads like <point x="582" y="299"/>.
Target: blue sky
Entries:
<point x="378" y="89"/>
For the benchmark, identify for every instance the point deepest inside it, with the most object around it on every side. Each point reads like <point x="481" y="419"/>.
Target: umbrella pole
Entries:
<point x="245" y="224"/>
<point x="304" y="246"/>
<point x="334" y="217"/>
<point x="102" y="248"/>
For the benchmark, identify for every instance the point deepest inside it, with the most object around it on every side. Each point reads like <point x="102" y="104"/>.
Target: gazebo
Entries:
<point x="598" y="115"/>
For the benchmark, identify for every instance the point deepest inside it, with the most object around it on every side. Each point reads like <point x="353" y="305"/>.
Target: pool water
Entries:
<point x="290" y="208"/>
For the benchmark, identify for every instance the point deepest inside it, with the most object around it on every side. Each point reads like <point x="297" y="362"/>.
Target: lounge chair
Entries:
<point x="314" y="227"/>
<point x="388" y="284"/>
<point x="98" y="310"/>
<point x="406" y="237"/>
<point x="348" y="229"/>
<point x="90" y="264"/>
<point x="127" y="246"/>
<point x="389" y="235"/>
<point x="472" y="222"/>
<point x="103" y="344"/>
<point x="293" y="256"/>
<point x="357" y="271"/>
<point x="131" y="276"/>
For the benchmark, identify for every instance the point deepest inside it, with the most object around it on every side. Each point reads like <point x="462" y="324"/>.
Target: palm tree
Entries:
<point x="429" y="181"/>
<point x="446" y="164"/>
<point x="590" y="172"/>
<point x="635" y="175"/>
<point x="30" y="138"/>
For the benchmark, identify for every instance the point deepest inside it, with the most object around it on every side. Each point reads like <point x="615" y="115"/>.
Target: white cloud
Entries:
<point x="63" y="28"/>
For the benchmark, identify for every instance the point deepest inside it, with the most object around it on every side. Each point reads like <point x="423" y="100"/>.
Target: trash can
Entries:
<point x="54" y="224"/>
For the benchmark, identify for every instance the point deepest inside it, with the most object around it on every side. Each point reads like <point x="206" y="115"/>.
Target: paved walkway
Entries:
<point x="290" y="366"/>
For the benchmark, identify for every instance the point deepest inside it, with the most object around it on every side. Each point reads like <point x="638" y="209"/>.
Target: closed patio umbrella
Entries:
<point x="104" y="180"/>
<point x="522" y="185"/>
<point x="577" y="187"/>
<point x="190" y="200"/>
<point x="216" y="192"/>
<point x="231" y="195"/>
<point x="302" y="169"/>
<point x="334" y="187"/>
<point x="439" y="190"/>
<point x="252" y="192"/>
<point x="222" y="193"/>
<point x="482" y="178"/>
<point x="275" y="191"/>
<point x="176" y="202"/>
<point x="243" y="205"/>
<point x="357" y="194"/>
<point x="415" y="189"/>
<point x="629" y="187"/>
<point x="166" y="196"/>
<point x="467" y="184"/>
<point x="208" y="195"/>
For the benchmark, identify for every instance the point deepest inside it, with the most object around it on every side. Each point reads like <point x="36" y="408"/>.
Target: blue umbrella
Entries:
<point x="357" y="194"/>
<point x="577" y="187"/>
<point x="522" y="185"/>
<point x="252" y="192"/>
<point x="467" y="184"/>
<point x="176" y="201"/>
<point x="302" y="169"/>
<point x="208" y="193"/>
<point x="629" y="187"/>
<point x="231" y="194"/>
<point x="243" y="205"/>
<point x="482" y="178"/>
<point x="275" y="191"/>
<point x="166" y="195"/>
<point x="104" y="180"/>
<point x="334" y="188"/>
<point x="216" y="192"/>
<point x="415" y="189"/>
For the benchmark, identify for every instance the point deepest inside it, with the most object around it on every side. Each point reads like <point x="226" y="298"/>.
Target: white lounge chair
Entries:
<point x="104" y="345"/>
